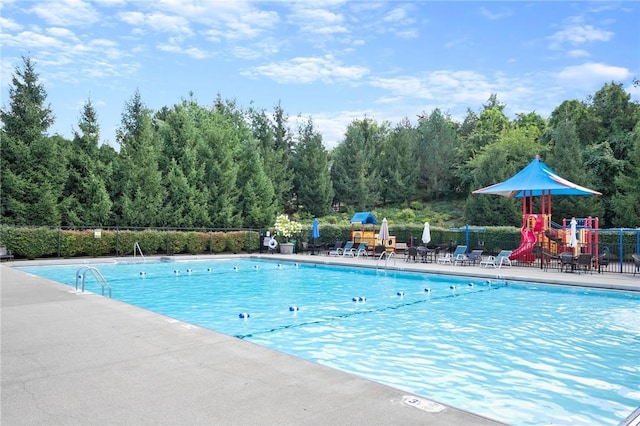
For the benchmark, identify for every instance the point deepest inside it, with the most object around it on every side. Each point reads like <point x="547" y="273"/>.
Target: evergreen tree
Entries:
<point x="486" y="131"/>
<point x="627" y="200"/>
<point x="256" y="201"/>
<point x="353" y="175"/>
<point x="222" y="131"/>
<point x="567" y="160"/>
<point x="396" y="165"/>
<point x="142" y="193"/>
<point x="495" y="163"/>
<point x="278" y="164"/>
<point x="86" y="200"/>
<point x="312" y="183"/>
<point x="32" y="164"/>
<point x="180" y="137"/>
<point x="617" y="115"/>
<point x="436" y="153"/>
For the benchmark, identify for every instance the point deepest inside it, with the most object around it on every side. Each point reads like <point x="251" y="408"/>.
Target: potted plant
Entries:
<point x="286" y="229"/>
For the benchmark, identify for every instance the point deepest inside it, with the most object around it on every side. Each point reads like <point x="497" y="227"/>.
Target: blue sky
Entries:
<point x="333" y="60"/>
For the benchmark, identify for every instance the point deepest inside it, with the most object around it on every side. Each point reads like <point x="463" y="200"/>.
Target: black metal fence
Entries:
<point x="615" y="247"/>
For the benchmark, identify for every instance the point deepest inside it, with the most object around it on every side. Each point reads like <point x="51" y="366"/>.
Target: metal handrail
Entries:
<point x="136" y="245"/>
<point x="386" y="256"/>
<point x="96" y="274"/>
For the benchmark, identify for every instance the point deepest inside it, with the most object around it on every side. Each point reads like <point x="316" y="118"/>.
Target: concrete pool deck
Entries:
<point x="80" y="358"/>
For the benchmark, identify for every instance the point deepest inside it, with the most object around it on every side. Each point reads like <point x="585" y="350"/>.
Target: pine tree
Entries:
<point x="257" y="200"/>
<point x="627" y="201"/>
<point x="86" y="200"/>
<point x="32" y="164"/>
<point x="142" y="195"/>
<point x="312" y="182"/>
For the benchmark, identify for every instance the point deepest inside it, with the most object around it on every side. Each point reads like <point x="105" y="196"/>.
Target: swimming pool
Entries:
<point x="519" y="353"/>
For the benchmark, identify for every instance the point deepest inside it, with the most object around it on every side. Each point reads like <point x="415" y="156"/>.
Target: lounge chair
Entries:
<point x="5" y="254"/>
<point x="340" y="251"/>
<point x="636" y="262"/>
<point x="471" y="258"/>
<point x="361" y="250"/>
<point x="502" y="259"/>
<point x="352" y="251"/>
<point x="335" y="248"/>
<point x="449" y="258"/>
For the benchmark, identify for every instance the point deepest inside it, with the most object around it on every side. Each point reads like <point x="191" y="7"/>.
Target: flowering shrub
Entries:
<point x="287" y="228"/>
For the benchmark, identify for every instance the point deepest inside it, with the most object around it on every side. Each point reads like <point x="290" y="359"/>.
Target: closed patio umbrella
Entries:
<point x="426" y="233"/>
<point x="573" y="241"/>
<point x="315" y="234"/>
<point x="384" y="231"/>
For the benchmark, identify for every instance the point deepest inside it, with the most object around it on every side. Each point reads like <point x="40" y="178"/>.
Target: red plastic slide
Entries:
<point x="524" y="252"/>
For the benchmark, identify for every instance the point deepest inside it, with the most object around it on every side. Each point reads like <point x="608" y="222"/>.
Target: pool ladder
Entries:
<point x="96" y="274"/>
<point x="136" y="247"/>
<point x="386" y="255"/>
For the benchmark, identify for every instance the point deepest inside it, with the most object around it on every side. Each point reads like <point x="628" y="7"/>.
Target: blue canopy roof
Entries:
<point x="535" y="179"/>
<point x="364" y="217"/>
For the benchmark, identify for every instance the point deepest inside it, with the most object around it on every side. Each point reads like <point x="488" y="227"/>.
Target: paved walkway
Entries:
<point x="84" y="359"/>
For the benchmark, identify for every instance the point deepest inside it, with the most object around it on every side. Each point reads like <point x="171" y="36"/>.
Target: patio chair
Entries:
<point x="603" y="258"/>
<point x="472" y="258"/>
<point x="449" y="258"/>
<point x="340" y="251"/>
<point x="502" y="259"/>
<point x="335" y="248"/>
<point x="304" y="247"/>
<point x="636" y="262"/>
<point x="584" y="262"/>
<point x="352" y="251"/>
<point x="5" y="254"/>
<point x="567" y="260"/>
<point x="411" y="254"/>
<point x="361" y="250"/>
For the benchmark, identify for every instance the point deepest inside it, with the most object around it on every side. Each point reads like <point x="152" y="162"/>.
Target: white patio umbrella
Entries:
<point x="573" y="241"/>
<point x="426" y="233"/>
<point x="383" y="234"/>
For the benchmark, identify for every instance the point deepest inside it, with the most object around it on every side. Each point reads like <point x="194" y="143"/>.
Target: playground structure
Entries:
<point x="539" y="237"/>
<point x="369" y="236"/>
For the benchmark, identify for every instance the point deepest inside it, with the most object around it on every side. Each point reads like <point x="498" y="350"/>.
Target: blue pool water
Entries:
<point x="524" y="354"/>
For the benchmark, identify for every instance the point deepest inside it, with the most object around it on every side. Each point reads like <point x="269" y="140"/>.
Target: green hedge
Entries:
<point x="42" y="242"/>
<point x="33" y="243"/>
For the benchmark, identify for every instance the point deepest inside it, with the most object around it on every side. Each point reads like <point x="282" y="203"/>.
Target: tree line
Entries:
<point x="224" y="166"/>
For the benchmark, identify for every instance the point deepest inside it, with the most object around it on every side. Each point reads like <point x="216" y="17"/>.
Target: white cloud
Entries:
<point x="576" y="33"/>
<point x="408" y="34"/>
<point x="591" y="73"/>
<point x="194" y="52"/>
<point x="132" y="17"/>
<point x="494" y="16"/>
<point x="66" y="12"/>
<point x="31" y="40"/>
<point x="308" y="70"/>
<point x="61" y="33"/>
<point x="158" y="22"/>
<point x="317" y="21"/>
<point x="9" y="24"/>
<point x="448" y="86"/>
<point x="255" y="51"/>
<point x="332" y="125"/>
<point x="404" y="86"/>
<point x="578" y="53"/>
<point x="399" y="14"/>
<point x="165" y="23"/>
